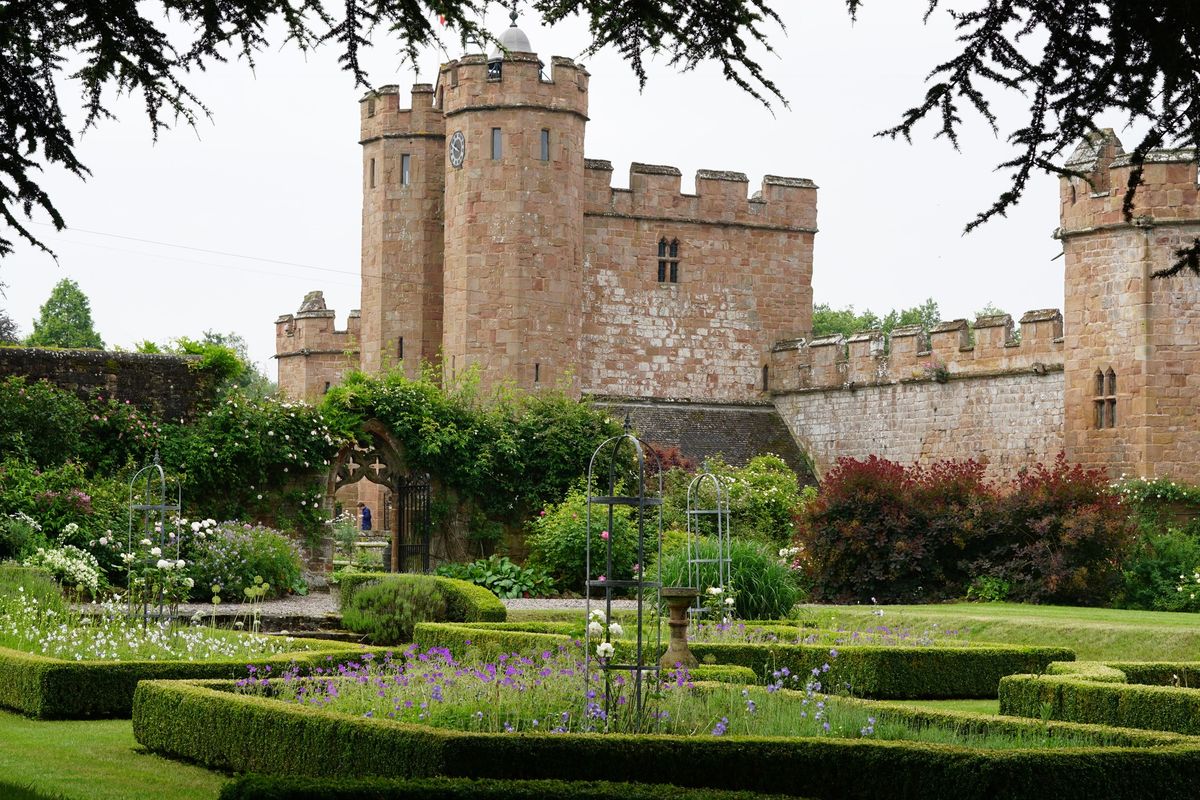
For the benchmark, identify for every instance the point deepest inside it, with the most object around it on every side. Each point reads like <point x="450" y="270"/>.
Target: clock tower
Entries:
<point x="514" y="185"/>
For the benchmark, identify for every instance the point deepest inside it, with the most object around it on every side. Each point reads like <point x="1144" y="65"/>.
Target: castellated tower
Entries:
<point x="1132" y="361"/>
<point x="403" y="179"/>
<point x="513" y="215"/>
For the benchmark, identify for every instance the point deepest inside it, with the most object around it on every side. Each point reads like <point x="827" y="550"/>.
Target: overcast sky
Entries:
<point x="227" y="226"/>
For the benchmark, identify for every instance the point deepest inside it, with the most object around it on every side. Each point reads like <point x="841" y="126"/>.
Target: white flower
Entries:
<point x="156" y="551"/>
<point x="189" y="583"/>
<point x="595" y="629"/>
<point x="127" y="557"/>
<point x="729" y="601"/>
<point x="616" y="630"/>
<point x="145" y="543"/>
<point x="104" y="541"/>
<point x="783" y="552"/>
<point x="163" y="564"/>
<point x="195" y="527"/>
<point x="604" y="650"/>
<point x="597" y="614"/>
<point x="715" y="590"/>
<point x="180" y="563"/>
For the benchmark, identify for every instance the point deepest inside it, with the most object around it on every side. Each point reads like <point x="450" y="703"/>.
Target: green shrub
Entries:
<point x="465" y="602"/>
<point x="232" y="554"/>
<point x="502" y="577"/>
<point x="1151" y="573"/>
<point x="764" y="498"/>
<point x="1123" y="705"/>
<point x="63" y="496"/>
<point x="210" y="725"/>
<point x="386" y="611"/>
<point x="40" y="422"/>
<point x="265" y="787"/>
<point x="49" y="688"/>
<point x="20" y="536"/>
<point x="764" y="587"/>
<point x="558" y="541"/>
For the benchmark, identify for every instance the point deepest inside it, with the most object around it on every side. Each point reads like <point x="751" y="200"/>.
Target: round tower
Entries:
<point x="1132" y="341"/>
<point x="403" y="174"/>
<point x="514" y="184"/>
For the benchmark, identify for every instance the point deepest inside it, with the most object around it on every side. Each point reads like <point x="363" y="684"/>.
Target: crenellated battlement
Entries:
<point x="311" y="330"/>
<point x="1170" y="192"/>
<point x="947" y="353"/>
<point x="518" y="80"/>
<point x="655" y="191"/>
<point x="383" y="117"/>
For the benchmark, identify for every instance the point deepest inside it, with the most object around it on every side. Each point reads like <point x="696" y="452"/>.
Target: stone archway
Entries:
<point x="406" y="519"/>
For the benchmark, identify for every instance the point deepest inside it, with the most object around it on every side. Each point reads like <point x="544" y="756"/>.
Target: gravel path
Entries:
<point x="319" y="604"/>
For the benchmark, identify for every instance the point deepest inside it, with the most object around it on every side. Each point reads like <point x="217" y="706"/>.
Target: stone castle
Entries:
<point x="490" y="242"/>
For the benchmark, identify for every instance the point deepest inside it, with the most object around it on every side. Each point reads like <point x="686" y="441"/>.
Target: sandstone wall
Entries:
<point x="1007" y="421"/>
<point x="167" y="386"/>
<point x="1132" y="392"/>
<point x="311" y="354"/>
<point x="745" y="282"/>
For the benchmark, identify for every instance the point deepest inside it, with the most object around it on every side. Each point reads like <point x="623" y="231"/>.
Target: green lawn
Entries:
<point x="1093" y="633"/>
<point x="92" y="760"/>
<point x="977" y="706"/>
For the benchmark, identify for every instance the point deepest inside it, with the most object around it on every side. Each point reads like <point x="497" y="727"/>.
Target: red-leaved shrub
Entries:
<point x="922" y="533"/>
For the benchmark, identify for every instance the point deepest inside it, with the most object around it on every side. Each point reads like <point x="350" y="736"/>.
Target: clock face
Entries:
<point x="458" y="149"/>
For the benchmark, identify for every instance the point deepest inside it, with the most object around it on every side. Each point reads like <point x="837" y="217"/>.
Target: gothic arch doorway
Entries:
<point x="404" y="513"/>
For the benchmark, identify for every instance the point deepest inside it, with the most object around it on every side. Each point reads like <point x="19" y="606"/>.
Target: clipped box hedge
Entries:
<point x="465" y="601"/>
<point x="870" y="670"/>
<point x="50" y="688"/>
<point x="267" y="787"/>
<point x="207" y="723"/>
<point x="1090" y="697"/>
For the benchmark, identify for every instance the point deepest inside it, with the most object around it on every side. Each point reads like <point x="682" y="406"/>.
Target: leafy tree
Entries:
<point x="828" y="321"/>
<point x="150" y="48"/>
<point x="8" y="329"/>
<point x="65" y="320"/>
<point x="224" y="353"/>
<point x="1074" y="62"/>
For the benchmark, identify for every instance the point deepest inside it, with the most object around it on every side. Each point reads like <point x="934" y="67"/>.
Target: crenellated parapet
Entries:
<point x="1169" y="192"/>
<point x="311" y="330"/>
<point x="951" y="350"/>
<point x="655" y="192"/>
<point x="382" y="115"/>
<point x="516" y="81"/>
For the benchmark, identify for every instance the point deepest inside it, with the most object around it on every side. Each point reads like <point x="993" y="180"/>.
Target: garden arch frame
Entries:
<point x="380" y="460"/>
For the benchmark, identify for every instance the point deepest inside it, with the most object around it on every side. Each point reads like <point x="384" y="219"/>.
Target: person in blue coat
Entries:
<point x="365" y="513"/>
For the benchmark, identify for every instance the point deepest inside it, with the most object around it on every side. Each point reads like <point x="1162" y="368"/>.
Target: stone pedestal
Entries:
<point x="678" y="600"/>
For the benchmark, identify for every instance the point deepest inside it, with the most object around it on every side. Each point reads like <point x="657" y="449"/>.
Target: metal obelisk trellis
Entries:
<point x="616" y="461"/>
<point x="151" y="515"/>
<point x="707" y="522"/>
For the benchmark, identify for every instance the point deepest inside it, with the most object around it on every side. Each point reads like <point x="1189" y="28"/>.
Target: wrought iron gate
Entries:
<point x="413" y="524"/>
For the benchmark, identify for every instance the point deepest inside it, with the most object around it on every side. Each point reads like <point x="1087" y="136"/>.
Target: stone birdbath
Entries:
<point x="679" y="600"/>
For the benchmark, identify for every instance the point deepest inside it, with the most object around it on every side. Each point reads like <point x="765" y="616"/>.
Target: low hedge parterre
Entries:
<point x="50" y="688"/>
<point x="871" y="671"/>
<point x="1091" y="695"/>
<point x="204" y="721"/>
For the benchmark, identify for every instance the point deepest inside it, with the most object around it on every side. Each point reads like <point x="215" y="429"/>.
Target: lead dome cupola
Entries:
<point x="513" y="40"/>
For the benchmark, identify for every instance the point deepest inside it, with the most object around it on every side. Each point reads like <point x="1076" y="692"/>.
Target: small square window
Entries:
<point x="497" y="144"/>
